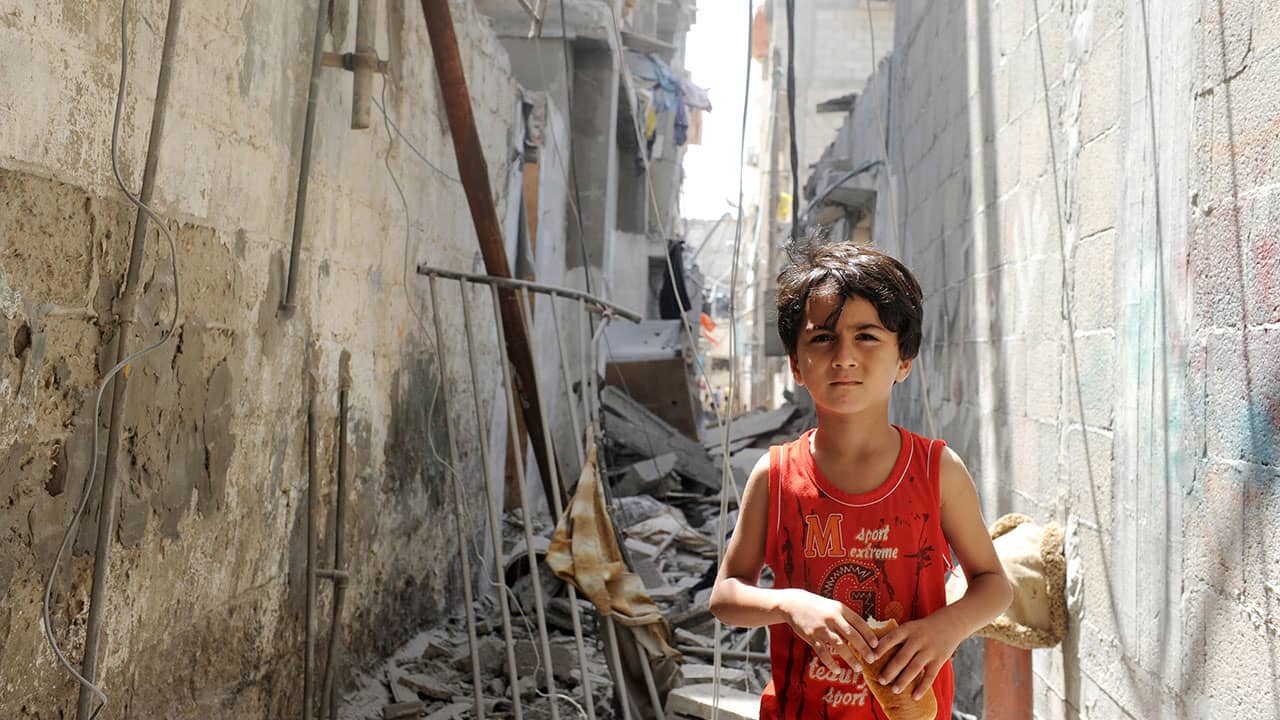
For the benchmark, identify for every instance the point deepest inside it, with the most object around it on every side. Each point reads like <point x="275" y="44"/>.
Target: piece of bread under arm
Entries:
<point x="896" y="706"/>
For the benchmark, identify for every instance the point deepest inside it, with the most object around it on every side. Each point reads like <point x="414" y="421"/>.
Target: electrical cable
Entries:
<point x="570" y="172"/>
<point x="726" y="468"/>
<point x="657" y="213"/>
<point x="106" y="380"/>
<point x="791" y="121"/>
<point x="893" y="199"/>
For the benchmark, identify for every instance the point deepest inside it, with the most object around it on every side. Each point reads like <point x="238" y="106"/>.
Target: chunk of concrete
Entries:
<point x="695" y="702"/>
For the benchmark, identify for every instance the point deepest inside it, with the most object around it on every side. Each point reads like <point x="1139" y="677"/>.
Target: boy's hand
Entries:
<point x="927" y="644"/>
<point x="830" y="628"/>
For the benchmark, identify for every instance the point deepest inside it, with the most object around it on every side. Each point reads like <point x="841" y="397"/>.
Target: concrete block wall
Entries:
<point x="205" y="597"/>
<point x="1087" y="191"/>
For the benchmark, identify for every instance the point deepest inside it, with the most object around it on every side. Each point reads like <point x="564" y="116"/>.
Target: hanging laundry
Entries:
<point x="682" y="122"/>
<point x="694" y="96"/>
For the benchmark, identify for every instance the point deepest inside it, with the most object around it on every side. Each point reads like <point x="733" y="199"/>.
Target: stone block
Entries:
<point x="1089" y="477"/>
<point x="1095" y="361"/>
<point x="1093" y="273"/>
<point x="1098" y="182"/>
<point x="1101" y="85"/>
<point x="1242" y="394"/>
<point x="1213" y="526"/>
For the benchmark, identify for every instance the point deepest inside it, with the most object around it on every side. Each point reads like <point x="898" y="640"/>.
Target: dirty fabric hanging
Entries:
<point x="584" y="551"/>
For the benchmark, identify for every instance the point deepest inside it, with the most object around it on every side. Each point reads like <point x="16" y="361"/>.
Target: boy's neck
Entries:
<point x="860" y="435"/>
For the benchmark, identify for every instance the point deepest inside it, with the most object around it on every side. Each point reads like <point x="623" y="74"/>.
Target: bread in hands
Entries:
<point x="896" y="706"/>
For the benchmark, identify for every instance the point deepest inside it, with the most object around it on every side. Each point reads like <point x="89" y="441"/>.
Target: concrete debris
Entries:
<point x="665" y="506"/>
<point x="695" y="702"/>
<point x="645" y="477"/>
<point x="395" y="711"/>
<point x="637" y="430"/>
<point x="751" y="426"/>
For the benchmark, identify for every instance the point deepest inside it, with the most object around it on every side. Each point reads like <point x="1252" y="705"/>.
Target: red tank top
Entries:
<point x="882" y="553"/>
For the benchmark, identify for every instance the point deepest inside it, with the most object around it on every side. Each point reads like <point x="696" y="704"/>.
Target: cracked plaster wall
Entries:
<point x="1087" y="191"/>
<point x="205" y="596"/>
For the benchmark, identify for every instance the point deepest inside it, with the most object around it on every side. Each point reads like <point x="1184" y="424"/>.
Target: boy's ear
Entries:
<point x="904" y="370"/>
<point x="795" y="369"/>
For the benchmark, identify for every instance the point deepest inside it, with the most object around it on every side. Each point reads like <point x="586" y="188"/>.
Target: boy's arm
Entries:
<point x="929" y="642"/>
<point x="828" y="625"/>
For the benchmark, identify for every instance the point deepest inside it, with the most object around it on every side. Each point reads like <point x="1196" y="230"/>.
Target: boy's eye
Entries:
<point x="822" y="337"/>
<point x="867" y="336"/>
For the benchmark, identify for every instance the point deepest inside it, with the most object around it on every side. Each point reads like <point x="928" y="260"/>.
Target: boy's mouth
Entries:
<point x="845" y="383"/>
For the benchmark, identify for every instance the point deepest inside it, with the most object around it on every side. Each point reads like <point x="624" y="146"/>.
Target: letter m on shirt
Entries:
<point x="823" y="539"/>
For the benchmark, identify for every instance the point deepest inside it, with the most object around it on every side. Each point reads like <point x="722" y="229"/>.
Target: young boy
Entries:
<point x="857" y="518"/>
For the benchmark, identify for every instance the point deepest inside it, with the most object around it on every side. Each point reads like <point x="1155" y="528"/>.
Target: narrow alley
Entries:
<point x="378" y="359"/>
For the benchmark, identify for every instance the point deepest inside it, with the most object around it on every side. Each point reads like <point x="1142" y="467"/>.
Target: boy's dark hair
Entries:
<point x="848" y="270"/>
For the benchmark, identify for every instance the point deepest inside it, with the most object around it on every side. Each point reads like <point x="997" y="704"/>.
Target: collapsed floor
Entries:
<point x="662" y="491"/>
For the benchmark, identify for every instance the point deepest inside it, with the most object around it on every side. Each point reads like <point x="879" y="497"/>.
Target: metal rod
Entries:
<point x="463" y="536"/>
<point x="601" y="304"/>
<point x="110" y="497"/>
<point x="535" y="28"/>
<point x="568" y="389"/>
<point x="474" y="172"/>
<point x="583" y="665"/>
<point x="304" y="164"/>
<point x="310" y="651"/>
<point x="362" y="74"/>
<point x="649" y="684"/>
<point x="495" y="533"/>
<point x="725" y="654"/>
<point x="328" y="692"/>
<point x="516" y="442"/>
<point x="619" y="677"/>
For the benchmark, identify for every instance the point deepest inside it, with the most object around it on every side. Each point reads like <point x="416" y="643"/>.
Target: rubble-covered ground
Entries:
<point x="664" y="502"/>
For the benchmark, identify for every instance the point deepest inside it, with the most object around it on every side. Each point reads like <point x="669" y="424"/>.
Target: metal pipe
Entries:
<point x="649" y="684"/>
<point x="474" y="172"/>
<point x="725" y="654"/>
<point x="495" y="533"/>
<point x="535" y="28"/>
<point x="309" y="632"/>
<point x="328" y="692"/>
<point x="304" y="164"/>
<point x="527" y="520"/>
<point x="619" y="676"/>
<point x="601" y="305"/>
<point x="110" y="497"/>
<point x="568" y="388"/>
<point x="362" y="72"/>
<point x="463" y="555"/>
<point x="583" y="665"/>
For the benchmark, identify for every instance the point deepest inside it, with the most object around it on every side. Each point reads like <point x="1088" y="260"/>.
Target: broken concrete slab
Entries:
<point x="634" y="427"/>
<point x="696" y="701"/>
<point x="400" y="692"/>
<point x="492" y="652"/>
<point x="698" y="673"/>
<point x="397" y="711"/>
<point x="424" y="685"/>
<point x="752" y="425"/>
<point x="644" y="477"/>
<point x="452" y="711"/>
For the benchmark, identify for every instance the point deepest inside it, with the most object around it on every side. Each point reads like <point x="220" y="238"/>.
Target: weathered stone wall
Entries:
<point x="1087" y="191"/>
<point x="206" y="589"/>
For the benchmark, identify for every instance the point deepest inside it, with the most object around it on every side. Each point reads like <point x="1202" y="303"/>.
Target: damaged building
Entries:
<point x="303" y="457"/>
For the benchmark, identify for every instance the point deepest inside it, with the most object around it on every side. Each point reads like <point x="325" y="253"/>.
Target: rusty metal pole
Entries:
<point x="367" y="60"/>
<point x="474" y="172"/>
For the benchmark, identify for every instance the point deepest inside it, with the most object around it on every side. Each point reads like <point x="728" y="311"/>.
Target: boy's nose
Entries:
<point x="845" y="357"/>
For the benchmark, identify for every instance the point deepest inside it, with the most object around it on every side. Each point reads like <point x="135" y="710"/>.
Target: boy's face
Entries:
<point x="849" y="363"/>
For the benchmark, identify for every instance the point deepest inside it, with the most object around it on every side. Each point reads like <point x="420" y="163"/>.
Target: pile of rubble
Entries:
<point x="663" y="495"/>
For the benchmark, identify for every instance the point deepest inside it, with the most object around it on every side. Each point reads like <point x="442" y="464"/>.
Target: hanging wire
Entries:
<point x="893" y="199"/>
<point x="726" y="472"/>
<point x="106" y="380"/>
